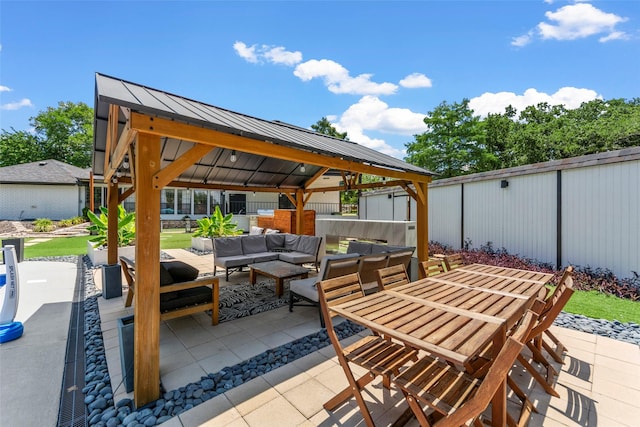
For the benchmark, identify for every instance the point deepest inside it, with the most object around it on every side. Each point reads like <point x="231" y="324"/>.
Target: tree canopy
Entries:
<point x="458" y="142"/>
<point x="62" y="133"/>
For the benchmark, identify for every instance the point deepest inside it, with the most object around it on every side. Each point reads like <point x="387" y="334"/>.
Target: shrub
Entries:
<point x="77" y="220"/>
<point x="126" y="227"/>
<point x="43" y="225"/>
<point x="584" y="278"/>
<point x="217" y="226"/>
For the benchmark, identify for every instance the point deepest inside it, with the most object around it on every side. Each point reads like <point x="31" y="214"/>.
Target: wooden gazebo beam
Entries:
<point x="182" y="131"/>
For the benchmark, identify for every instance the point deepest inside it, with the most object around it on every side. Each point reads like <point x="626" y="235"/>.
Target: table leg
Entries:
<point x="252" y="276"/>
<point x="279" y="287"/>
<point x="499" y="400"/>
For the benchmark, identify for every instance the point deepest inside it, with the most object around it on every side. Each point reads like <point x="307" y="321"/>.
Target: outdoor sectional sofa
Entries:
<point x="363" y="258"/>
<point x="233" y="253"/>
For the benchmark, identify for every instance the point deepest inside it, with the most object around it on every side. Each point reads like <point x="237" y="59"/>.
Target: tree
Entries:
<point x="454" y="143"/>
<point x="325" y="127"/>
<point x="64" y="133"/>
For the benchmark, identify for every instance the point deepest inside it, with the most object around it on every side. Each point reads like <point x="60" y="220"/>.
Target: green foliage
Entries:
<point x="457" y="142"/>
<point x="454" y="143"/>
<point x="64" y="133"/>
<point x="217" y="225"/>
<point x="43" y="225"/>
<point x="126" y="227"/>
<point x="325" y="127"/>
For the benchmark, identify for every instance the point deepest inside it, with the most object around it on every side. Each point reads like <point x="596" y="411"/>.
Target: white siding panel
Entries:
<point x="400" y="212"/>
<point x="19" y="201"/>
<point x="601" y="217"/>
<point x="379" y="207"/>
<point x="445" y="215"/>
<point x="520" y="218"/>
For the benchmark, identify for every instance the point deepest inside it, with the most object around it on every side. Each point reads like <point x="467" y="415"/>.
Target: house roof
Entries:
<point x="43" y="172"/>
<point x="250" y="169"/>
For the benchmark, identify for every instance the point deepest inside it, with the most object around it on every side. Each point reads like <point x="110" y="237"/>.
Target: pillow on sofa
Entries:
<point x="271" y="231"/>
<point x="180" y="271"/>
<point x="254" y="244"/>
<point x="227" y="246"/>
<point x="291" y="242"/>
<point x="308" y="244"/>
<point x="165" y="277"/>
<point x="255" y="230"/>
<point x="274" y="241"/>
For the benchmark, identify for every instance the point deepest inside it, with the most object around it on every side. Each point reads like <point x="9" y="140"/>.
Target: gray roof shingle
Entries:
<point x="43" y="172"/>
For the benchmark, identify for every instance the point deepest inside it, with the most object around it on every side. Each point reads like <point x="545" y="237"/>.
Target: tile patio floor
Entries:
<point x="599" y="384"/>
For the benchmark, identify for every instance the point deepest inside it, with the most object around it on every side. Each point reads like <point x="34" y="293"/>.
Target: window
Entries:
<point x="238" y="204"/>
<point x="184" y="202"/>
<point x="200" y="202"/>
<point x="167" y="201"/>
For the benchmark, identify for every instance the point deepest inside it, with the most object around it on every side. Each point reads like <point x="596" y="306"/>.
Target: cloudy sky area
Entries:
<point x="374" y="69"/>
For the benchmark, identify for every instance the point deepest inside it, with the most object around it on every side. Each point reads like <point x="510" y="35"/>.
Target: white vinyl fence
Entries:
<point x="583" y="211"/>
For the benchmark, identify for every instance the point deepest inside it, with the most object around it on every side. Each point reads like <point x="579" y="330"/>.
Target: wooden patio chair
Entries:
<point x="373" y="353"/>
<point x="451" y="261"/>
<point x="369" y="265"/>
<point x="431" y="267"/>
<point x="455" y="396"/>
<point x="547" y="314"/>
<point x="391" y="277"/>
<point x="402" y="257"/>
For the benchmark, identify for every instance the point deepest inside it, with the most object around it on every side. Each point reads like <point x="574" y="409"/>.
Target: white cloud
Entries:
<point x="570" y="97"/>
<point x="416" y="80"/>
<point x="278" y="55"/>
<point x="17" y="105"/>
<point x="5" y="89"/>
<point x="338" y="80"/>
<point x="275" y="55"/>
<point x="576" y="21"/>
<point x="245" y="52"/>
<point x="522" y="40"/>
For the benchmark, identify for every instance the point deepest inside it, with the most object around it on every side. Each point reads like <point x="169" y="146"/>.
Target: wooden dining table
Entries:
<point x="454" y="315"/>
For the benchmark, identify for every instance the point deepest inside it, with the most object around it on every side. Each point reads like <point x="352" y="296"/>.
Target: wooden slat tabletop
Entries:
<point x="447" y="331"/>
<point x="491" y="270"/>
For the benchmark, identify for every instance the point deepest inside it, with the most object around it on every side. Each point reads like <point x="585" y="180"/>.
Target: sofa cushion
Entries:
<point x="271" y="231"/>
<point x="253" y="244"/>
<point x="185" y="298"/>
<point x="379" y="249"/>
<point x="305" y="287"/>
<point x="263" y="257"/>
<point x="180" y="271"/>
<point x="227" y="246"/>
<point x="165" y="276"/>
<point x="232" y="261"/>
<point x="362" y="248"/>
<point x="291" y="242"/>
<point x="309" y="245"/>
<point x="274" y="241"/>
<point x="296" y="257"/>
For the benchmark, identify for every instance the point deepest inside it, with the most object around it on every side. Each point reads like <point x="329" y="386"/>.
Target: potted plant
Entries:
<point x="217" y="225"/>
<point x="111" y="275"/>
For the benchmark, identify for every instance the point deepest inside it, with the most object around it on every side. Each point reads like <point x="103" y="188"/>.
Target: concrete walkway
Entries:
<point x="32" y="366"/>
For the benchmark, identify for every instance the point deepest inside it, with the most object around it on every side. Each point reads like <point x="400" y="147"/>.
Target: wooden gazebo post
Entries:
<point x="112" y="222"/>
<point x="146" y="314"/>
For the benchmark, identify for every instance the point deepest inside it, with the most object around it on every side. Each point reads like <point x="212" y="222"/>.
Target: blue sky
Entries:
<point x="375" y="69"/>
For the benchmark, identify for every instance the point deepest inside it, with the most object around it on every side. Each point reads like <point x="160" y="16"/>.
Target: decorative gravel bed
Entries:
<point x="103" y="411"/>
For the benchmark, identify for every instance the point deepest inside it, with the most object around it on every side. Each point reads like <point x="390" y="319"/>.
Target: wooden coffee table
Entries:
<point x="277" y="270"/>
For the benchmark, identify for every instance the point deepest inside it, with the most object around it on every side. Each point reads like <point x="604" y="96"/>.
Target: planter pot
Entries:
<point x="111" y="281"/>
<point x="99" y="256"/>
<point x="201" y="244"/>
<point x="125" y="336"/>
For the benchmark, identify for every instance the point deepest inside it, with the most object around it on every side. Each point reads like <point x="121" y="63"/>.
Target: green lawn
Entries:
<point x="78" y="245"/>
<point x="591" y="304"/>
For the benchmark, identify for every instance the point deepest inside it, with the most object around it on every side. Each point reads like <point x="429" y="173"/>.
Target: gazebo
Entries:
<point x="149" y="139"/>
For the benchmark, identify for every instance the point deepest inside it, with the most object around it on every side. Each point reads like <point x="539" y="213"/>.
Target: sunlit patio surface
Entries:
<point x="599" y="383"/>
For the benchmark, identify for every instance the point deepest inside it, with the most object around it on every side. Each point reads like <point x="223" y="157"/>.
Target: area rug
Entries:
<point x="245" y="299"/>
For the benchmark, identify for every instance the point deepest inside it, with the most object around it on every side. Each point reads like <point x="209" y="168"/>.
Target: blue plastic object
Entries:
<point x="11" y="331"/>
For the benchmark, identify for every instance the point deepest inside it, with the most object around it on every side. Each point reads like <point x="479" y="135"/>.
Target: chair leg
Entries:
<point x="347" y="393"/>
<point x="290" y="301"/>
<point x="559" y="350"/>
<point x="536" y="375"/>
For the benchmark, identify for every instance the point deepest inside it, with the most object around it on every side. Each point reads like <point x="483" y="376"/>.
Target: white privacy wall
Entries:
<point x="520" y="218"/>
<point x="445" y="215"/>
<point x="56" y="202"/>
<point x="601" y="217"/>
